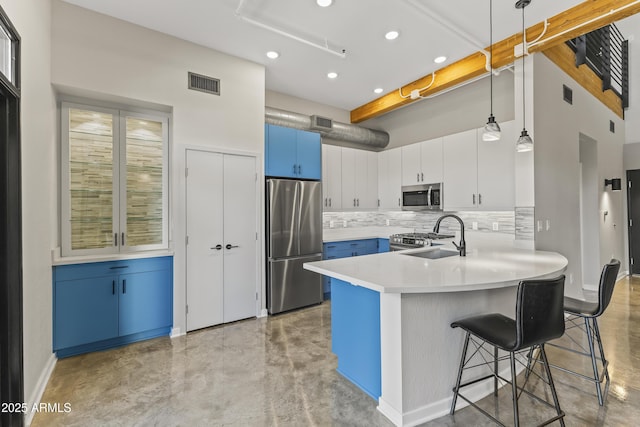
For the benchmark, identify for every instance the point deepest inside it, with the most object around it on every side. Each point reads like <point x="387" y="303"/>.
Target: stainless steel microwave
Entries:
<point x="422" y="197"/>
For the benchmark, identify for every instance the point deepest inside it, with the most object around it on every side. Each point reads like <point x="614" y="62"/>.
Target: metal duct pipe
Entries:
<point x="370" y="138"/>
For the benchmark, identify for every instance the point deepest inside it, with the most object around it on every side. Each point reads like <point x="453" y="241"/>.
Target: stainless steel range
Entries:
<point x="401" y="241"/>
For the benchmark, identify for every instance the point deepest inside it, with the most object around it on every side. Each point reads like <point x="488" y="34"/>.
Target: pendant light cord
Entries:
<point x="524" y="40"/>
<point x="491" y="51"/>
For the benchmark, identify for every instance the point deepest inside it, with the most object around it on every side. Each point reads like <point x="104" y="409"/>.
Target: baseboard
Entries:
<point x="442" y="407"/>
<point x="43" y="380"/>
<point x="176" y="332"/>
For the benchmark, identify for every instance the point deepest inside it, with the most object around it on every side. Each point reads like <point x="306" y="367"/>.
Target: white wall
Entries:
<point x="558" y="126"/>
<point x="96" y="55"/>
<point x="32" y="19"/>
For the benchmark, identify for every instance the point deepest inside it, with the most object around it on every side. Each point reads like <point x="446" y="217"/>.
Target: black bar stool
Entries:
<point x="583" y="315"/>
<point x="539" y="318"/>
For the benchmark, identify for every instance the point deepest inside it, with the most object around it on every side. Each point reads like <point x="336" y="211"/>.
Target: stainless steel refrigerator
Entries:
<point x="294" y="233"/>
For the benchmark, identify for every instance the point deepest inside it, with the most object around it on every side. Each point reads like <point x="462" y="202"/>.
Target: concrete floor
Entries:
<point x="280" y="371"/>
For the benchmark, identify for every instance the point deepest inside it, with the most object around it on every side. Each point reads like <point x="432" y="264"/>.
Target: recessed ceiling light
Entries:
<point x="332" y="75"/>
<point x="272" y="54"/>
<point x="440" y="59"/>
<point x="391" y="35"/>
<point x="377" y="90"/>
<point x="324" y="3"/>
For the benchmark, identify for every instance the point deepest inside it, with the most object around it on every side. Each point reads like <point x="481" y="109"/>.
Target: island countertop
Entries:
<point x="482" y="268"/>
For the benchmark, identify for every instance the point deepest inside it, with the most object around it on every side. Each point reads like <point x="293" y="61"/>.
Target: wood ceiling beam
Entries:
<point x="580" y="19"/>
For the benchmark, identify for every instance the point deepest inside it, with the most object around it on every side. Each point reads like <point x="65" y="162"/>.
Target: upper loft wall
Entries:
<point x="101" y="54"/>
<point x="630" y="28"/>
<point x="557" y="129"/>
<point x="461" y="109"/>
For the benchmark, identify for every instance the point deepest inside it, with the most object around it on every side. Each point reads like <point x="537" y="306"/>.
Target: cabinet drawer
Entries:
<point x="108" y="268"/>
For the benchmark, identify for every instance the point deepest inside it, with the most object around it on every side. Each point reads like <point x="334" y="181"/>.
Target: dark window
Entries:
<point x="11" y="352"/>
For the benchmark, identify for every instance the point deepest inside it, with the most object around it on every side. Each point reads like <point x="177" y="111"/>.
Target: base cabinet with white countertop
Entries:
<point x="391" y="317"/>
<point x="350" y="248"/>
<point x="107" y="304"/>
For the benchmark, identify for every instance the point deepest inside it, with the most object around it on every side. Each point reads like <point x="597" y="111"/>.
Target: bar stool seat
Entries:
<point x="539" y="318"/>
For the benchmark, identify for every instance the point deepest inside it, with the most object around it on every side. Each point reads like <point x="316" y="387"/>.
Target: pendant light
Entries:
<point x="525" y="143"/>
<point x="491" y="130"/>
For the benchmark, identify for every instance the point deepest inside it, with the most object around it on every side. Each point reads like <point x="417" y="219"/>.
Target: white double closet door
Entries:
<point x="221" y="212"/>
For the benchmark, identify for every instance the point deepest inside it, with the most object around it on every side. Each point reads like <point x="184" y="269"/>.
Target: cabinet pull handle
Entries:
<point x="474" y="199"/>
<point x="294" y="169"/>
<point x="398" y="201"/>
<point x="122" y="239"/>
<point x="358" y="202"/>
<point x="354" y="202"/>
<point x="479" y="198"/>
<point x="326" y="200"/>
<point x="115" y="239"/>
<point x="113" y="287"/>
<point x="124" y="286"/>
<point x="118" y="267"/>
<point x="329" y="201"/>
<point x="421" y="176"/>
<point x="230" y="246"/>
<point x="418" y="177"/>
<point x="217" y="247"/>
<point x="299" y="169"/>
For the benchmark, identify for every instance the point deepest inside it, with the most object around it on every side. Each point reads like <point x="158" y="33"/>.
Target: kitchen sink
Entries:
<point x="433" y="253"/>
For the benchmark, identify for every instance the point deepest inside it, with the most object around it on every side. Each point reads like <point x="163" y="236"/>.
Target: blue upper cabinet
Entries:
<point x="309" y="155"/>
<point x="292" y="153"/>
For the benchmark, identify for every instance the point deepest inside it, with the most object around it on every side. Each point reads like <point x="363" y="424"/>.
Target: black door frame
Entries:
<point x="11" y="328"/>
<point x="631" y="208"/>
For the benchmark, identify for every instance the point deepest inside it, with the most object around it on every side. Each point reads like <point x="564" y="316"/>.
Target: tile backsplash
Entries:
<point x="489" y="221"/>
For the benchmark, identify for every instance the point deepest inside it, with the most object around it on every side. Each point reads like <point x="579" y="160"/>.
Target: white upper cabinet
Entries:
<point x="331" y="177"/>
<point x="460" y="171"/>
<point x="359" y="179"/>
<point x="422" y="162"/>
<point x="496" y="170"/>
<point x="390" y="178"/>
<point x="479" y="174"/>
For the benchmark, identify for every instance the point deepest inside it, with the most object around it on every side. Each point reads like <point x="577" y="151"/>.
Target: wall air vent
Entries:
<point x="321" y="123"/>
<point x="204" y="83"/>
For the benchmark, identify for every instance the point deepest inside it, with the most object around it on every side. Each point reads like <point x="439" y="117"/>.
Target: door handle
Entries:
<point x="113" y="287"/>
<point x="122" y="240"/>
<point x="230" y="246"/>
<point x="217" y="247"/>
<point x="124" y="286"/>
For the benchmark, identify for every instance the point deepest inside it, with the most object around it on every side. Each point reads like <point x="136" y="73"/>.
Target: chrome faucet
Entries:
<point x="462" y="247"/>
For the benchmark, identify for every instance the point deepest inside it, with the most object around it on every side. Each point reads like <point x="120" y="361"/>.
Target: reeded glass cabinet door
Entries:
<point x="114" y="181"/>
<point x="145" y="200"/>
<point x="91" y="218"/>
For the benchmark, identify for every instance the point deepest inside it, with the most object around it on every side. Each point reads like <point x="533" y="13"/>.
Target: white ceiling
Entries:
<point x="358" y="26"/>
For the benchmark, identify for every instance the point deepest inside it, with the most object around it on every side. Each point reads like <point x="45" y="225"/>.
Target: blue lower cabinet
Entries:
<point x="383" y="245"/>
<point x="84" y="312"/>
<point x="108" y="304"/>
<point x="355" y="335"/>
<point x="346" y="249"/>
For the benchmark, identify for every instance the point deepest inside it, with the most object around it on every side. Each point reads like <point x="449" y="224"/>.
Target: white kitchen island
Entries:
<point x="391" y="316"/>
